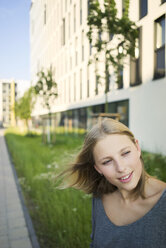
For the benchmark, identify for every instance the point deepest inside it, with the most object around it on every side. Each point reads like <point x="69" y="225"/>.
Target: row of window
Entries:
<point x="159" y="54"/>
<point x="85" y="117"/>
<point x="135" y="63"/>
<point x="135" y="67"/>
<point x="143" y="11"/>
<point x="69" y="15"/>
<point x="64" y="29"/>
<point x="73" y="87"/>
<point x="66" y="21"/>
<point x="71" y="57"/>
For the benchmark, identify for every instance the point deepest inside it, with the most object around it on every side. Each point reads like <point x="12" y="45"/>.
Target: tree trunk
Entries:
<point x="27" y="126"/>
<point x="49" y="129"/>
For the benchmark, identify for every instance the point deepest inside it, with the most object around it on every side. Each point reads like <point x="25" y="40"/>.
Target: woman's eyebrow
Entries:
<point x="124" y="148"/>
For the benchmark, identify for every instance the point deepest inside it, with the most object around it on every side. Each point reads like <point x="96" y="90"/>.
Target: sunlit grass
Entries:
<point x="62" y="218"/>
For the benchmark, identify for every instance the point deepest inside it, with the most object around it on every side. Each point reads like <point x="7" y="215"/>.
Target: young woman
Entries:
<point x="129" y="206"/>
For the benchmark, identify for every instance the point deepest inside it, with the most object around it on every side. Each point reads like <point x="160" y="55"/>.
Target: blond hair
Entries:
<point x="82" y="173"/>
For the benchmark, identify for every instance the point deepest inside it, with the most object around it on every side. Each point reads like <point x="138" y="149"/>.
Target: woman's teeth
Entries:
<point x="123" y="178"/>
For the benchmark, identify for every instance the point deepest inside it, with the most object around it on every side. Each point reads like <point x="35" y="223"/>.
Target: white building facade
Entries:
<point x="58" y="39"/>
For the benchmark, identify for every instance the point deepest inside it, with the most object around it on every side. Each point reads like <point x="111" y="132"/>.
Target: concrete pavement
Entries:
<point x="16" y="229"/>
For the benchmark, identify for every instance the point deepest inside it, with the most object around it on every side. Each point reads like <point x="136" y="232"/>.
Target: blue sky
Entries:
<point x="14" y="39"/>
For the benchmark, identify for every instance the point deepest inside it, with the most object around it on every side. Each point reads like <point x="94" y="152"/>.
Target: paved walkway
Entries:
<point x="16" y="230"/>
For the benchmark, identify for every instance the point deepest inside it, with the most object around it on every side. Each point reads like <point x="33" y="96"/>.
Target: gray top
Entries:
<point x="147" y="232"/>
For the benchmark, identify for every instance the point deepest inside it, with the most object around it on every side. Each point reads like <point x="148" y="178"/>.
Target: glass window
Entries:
<point x="97" y="85"/>
<point x="109" y="86"/>
<point x="120" y="70"/>
<point x="143" y="6"/>
<point x="63" y="32"/>
<point x="136" y="62"/>
<point x="123" y="6"/>
<point x="82" y="45"/>
<point x="88" y="7"/>
<point x="160" y="48"/>
<point x="76" y="51"/>
<point x="90" y="48"/>
<point x="45" y="14"/>
<point x="65" y="5"/>
<point x="98" y="108"/>
<point x="82" y="118"/>
<point x="80" y="12"/>
<point x="70" y="62"/>
<point x="74" y="18"/>
<point x="121" y="107"/>
<point x="160" y="33"/>
<point x="69" y="18"/>
<point x="120" y="79"/>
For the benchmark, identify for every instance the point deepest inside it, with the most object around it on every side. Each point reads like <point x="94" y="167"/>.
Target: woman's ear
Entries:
<point x="138" y="146"/>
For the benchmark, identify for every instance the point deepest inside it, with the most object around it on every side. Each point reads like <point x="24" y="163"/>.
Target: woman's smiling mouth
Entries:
<point x="126" y="178"/>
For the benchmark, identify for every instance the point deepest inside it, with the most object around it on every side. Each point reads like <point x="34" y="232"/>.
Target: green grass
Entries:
<point x="62" y="218"/>
<point x="155" y="165"/>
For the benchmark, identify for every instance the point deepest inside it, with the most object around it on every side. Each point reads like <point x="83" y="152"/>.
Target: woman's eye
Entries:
<point x="125" y="153"/>
<point x="107" y="161"/>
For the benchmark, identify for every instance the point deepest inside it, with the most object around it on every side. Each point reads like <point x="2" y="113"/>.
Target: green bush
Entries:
<point x="155" y="165"/>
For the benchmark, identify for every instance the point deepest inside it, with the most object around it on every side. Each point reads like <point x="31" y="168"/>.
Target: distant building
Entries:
<point x="10" y="91"/>
<point x="58" y="38"/>
<point x="8" y="95"/>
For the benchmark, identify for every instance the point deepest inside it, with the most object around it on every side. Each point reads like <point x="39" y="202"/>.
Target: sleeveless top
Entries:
<point x="147" y="232"/>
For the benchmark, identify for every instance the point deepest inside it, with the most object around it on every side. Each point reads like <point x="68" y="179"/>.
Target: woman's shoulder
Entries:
<point x="155" y="187"/>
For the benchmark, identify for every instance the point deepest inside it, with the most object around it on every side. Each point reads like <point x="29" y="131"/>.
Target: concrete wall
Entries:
<point x="148" y="115"/>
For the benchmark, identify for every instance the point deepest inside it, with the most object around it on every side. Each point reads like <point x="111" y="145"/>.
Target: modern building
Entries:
<point x="58" y="39"/>
<point x="8" y="94"/>
<point x="10" y="91"/>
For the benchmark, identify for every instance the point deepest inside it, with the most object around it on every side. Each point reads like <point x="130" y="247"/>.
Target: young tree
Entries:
<point x="24" y="106"/>
<point x="46" y="88"/>
<point x="111" y="38"/>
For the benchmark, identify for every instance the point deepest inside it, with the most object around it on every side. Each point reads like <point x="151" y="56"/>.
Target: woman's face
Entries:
<point x="117" y="158"/>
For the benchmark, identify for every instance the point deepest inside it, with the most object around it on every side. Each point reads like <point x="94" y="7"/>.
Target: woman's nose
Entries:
<point x="120" y="166"/>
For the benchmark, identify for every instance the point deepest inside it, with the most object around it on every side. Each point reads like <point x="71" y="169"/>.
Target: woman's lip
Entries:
<point x="127" y="179"/>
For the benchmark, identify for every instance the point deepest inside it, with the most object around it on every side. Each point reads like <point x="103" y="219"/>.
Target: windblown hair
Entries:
<point x="82" y="173"/>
